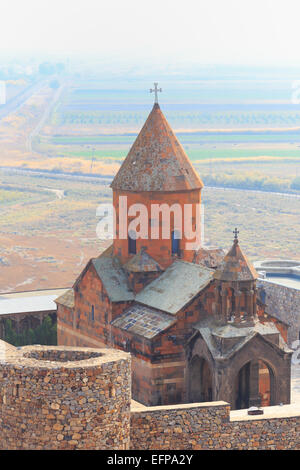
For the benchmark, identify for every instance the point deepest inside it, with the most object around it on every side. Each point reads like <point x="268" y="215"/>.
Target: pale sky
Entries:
<point x="203" y="31"/>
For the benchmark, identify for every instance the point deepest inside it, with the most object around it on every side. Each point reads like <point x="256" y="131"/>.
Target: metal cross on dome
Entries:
<point x="235" y="233"/>
<point x="155" y="90"/>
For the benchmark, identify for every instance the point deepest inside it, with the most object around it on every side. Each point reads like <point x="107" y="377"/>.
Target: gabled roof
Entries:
<point x="176" y="287"/>
<point x="235" y="266"/>
<point x="224" y="341"/>
<point x="142" y="262"/>
<point x="113" y="279"/>
<point x="156" y="161"/>
<point x="67" y="299"/>
<point x="144" y="321"/>
<point x="111" y="274"/>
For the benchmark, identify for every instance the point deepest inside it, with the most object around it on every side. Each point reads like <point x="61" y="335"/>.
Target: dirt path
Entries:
<point x="60" y="193"/>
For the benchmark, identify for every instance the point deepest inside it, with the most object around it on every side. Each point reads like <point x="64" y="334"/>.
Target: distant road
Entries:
<point x="17" y="101"/>
<point x="57" y="176"/>
<point x="44" y="117"/>
<point x="257" y="191"/>
<point x="107" y="179"/>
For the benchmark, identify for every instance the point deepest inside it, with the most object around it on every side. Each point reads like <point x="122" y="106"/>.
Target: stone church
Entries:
<point x="192" y="319"/>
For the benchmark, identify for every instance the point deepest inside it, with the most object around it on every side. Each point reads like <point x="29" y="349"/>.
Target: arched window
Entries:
<point x="131" y="243"/>
<point x="92" y="314"/>
<point x="175" y="237"/>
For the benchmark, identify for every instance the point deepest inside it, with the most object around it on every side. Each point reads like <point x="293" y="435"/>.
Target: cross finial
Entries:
<point x="235" y="233"/>
<point x="155" y="90"/>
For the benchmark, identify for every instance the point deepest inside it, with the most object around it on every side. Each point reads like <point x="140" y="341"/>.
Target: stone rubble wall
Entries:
<point x="283" y="303"/>
<point x="177" y="427"/>
<point x="266" y="434"/>
<point x="80" y="398"/>
<point x="208" y="426"/>
<point x="64" y="398"/>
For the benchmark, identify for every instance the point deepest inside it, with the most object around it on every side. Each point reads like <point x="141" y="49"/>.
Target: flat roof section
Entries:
<point x="30" y="301"/>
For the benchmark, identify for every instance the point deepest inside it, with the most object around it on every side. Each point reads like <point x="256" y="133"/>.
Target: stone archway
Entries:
<point x="200" y="380"/>
<point x="254" y="385"/>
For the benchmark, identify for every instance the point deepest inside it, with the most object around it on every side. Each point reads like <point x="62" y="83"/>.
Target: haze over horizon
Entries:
<point x="235" y="32"/>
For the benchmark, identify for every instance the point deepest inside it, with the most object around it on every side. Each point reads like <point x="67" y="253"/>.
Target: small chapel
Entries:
<point x="192" y="319"/>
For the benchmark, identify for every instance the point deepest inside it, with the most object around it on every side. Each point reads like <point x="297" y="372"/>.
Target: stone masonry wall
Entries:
<point x="175" y="427"/>
<point x="64" y="398"/>
<point x="208" y="426"/>
<point x="79" y="398"/>
<point x="283" y="303"/>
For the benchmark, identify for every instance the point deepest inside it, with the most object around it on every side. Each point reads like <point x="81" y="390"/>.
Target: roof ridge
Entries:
<point x="200" y="266"/>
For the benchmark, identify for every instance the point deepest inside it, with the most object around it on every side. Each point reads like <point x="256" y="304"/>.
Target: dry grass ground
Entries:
<point x="46" y="239"/>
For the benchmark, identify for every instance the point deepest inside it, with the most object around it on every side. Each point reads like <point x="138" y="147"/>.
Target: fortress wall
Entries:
<point x="206" y="426"/>
<point x="278" y="433"/>
<point x="192" y="426"/>
<point x="64" y="398"/>
<point x="283" y="303"/>
<point x="79" y="398"/>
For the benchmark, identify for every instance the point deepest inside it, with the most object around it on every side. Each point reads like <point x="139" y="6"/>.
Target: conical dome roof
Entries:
<point x="235" y="266"/>
<point x="156" y="161"/>
<point x="142" y="262"/>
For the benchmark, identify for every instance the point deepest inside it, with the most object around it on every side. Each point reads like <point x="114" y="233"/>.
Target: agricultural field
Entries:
<point x="96" y="127"/>
<point x="90" y="130"/>
<point x="55" y="169"/>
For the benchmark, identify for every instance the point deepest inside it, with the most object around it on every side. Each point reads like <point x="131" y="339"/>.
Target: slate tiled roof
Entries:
<point x="235" y="266"/>
<point x="66" y="299"/>
<point x="177" y="286"/>
<point x="113" y="278"/>
<point x="142" y="262"/>
<point x="144" y="321"/>
<point x="224" y="341"/>
<point x="210" y="257"/>
<point x="156" y="161"/>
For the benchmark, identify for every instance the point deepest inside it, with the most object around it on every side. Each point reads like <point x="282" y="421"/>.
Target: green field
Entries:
<point x="118" y="146"/>
<point x="231" y="144"/>
<point x="199" y="138"/>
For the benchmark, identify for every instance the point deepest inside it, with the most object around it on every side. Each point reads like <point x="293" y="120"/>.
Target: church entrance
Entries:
<point x="200" y="383"/>
<point x="254" y="385"/>
<point x="243" y="388"/>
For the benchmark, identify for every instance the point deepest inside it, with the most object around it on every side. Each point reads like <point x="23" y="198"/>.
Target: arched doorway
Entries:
<point x="254" y="385"/>
<point x="200" y="383"/>
<point x="266" y="384"/>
